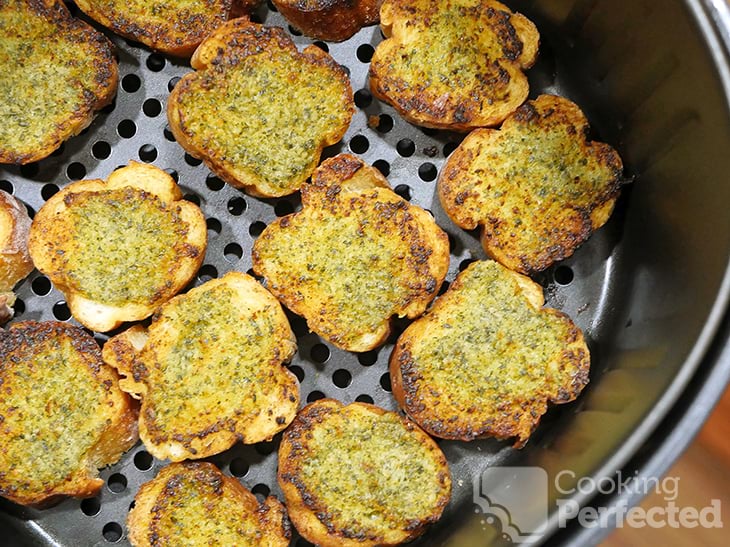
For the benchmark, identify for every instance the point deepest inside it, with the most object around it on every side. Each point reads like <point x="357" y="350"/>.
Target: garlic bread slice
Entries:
<point x="257" y="111"/>
<point x="15" y="262"/>
<point x="56" y="72"/>
<point x="356" y="255"/>
<point x="333" y="20"/>
<point x="538" y="187"/>
<point x="175" y="27"/>
<point x="62" y="414"/>
<point x="120" y="248"/>
<point x="453" y="65"/>
<point x="360" y="476"/>
<point x="193" y="503"/>
<point x="487" y="358"/>
<point x="209" y="369"/>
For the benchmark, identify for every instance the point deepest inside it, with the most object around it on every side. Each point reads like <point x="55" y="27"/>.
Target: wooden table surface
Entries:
<point x="704" y="474"/>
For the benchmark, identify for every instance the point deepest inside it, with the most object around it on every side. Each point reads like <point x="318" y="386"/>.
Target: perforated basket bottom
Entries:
<point x="135" y="128"/>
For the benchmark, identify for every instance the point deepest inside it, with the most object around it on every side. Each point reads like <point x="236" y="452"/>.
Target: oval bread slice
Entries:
<point x="120" y="248"/>
<point x="358" y="475"/>
<point x="453" y="65"/>
<point x="209" y="369"/>
<point x="537" y="186"/>
<point x="62" y="414"/>
<point x="193" y="503"/>
<point x="487" y="358"/>
<point x="333" y="20"/>
<point x="175" y="27"/>
<point x="356" y="255"/>
<point x="15" y="262"/>
<point x="257" y="111"/>
<point x="55" y="73"/>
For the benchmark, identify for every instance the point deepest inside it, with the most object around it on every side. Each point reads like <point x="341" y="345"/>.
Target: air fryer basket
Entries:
<point x="650" y="289"/>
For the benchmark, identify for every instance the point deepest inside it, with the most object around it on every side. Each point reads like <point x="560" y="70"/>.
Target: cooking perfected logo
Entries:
<point x="514" y="500"/>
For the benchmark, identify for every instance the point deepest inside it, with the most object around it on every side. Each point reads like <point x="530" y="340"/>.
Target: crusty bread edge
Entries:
<point x="304" y="516"/>
<point x="118" y="437"/>
<point x="272" y="511"/>
<point x="96" y="315"/>
<point x="204" y="56"/>
<point x="124" y="349"/>
<point x="13" y="252"/>
<point x="16" y="249"/>
<point x="527" y="34"/>
<point x="331" y="20"/>
<point x="533" y="292"/>
<point x="82" y="118"/>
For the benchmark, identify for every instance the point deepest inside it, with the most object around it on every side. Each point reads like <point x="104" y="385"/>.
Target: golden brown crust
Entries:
<point x="15" y="262"/>
<point x="243" y="8"/>
<point x="7" y="299"/>
<point x="538" y="186"/>
<point x="195" y="504"/>
<point x="360" y="476"/>
<point x="333" y="20"/>
<point x="120" y="248"/>
<point x="282" y="107"/>
<point x="356" y="255"/>
<point x="54" y="436"/>
<point x="171" y="27"/>
<point x="487" y="358"/>
<point x="121" y="352"/>
<point x="56" y="72"/>
<point x="451" y="65"/>
<point x="200" y="398"/>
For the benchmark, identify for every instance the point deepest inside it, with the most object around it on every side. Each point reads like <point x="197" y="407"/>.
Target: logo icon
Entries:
<point x="516" y="498"/>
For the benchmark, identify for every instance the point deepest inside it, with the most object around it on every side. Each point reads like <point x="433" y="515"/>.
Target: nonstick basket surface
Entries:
<point x="619" y="287"/>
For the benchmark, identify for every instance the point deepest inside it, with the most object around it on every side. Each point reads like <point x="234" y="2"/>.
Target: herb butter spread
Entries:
<point x="124" y="245"/>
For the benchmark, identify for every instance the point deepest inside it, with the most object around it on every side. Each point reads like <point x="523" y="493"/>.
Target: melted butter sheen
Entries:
<point x="124" y="245"/>
<point x="49" y="432"/>
<point x="194" y="499"/>
<point x="390" y="478"/>
<point x="276" y="112"/>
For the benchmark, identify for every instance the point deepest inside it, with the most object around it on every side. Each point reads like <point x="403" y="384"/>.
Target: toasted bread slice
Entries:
<point x="15" y="262"/>
<point x="487" y="358"/>
<point x="333" y="20"/>
<point x="355" y="256"/>
<point x="209" y="369"/>
<point x="537" y="186"/>
<point x="55" y="73"/>
<point x="120" y="248"/>
<point x="193" y="503"/>
<point x="175" y="27"/>
<point x="358" y="475"/>
<point x="453" y="65"/>
<point x="244" y="8"/>
<point x="62" y="414"/>
<point x="257" y="111"/>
